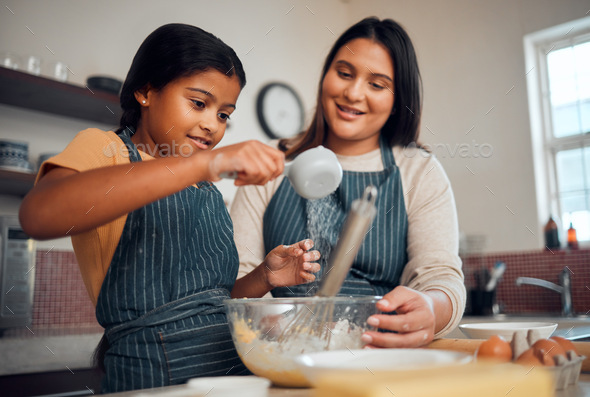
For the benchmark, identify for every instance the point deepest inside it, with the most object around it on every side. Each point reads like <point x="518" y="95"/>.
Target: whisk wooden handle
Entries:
<point x="355" y="228"/>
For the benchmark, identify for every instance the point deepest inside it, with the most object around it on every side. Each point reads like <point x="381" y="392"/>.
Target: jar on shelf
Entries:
<point x="572" y="238"/>
<point x="551" y="235"/>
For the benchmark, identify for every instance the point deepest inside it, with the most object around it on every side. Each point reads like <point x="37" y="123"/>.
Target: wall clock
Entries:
<point x="279" y="110"/>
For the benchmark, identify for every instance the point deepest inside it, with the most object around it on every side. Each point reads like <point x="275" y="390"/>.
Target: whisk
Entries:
<point x="314" y="320"/>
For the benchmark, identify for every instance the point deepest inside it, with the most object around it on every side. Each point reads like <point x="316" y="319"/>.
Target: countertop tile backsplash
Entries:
<point x="61" y="305"/>
<point x="546" y="265"/>
<point x="63" y="332"/>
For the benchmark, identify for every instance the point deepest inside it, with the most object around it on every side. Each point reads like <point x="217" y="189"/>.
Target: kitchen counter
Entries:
<point x="47" y="353"/>
<point x="582" y="389"/>
<point x="60" y="357"/>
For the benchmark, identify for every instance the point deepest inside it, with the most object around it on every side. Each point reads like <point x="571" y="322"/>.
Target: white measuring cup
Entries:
<point x="314" y="174"/>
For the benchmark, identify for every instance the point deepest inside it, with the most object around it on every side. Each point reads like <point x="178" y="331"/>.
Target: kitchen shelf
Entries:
<point x="51" y="96"/>
<point x="16" y="183"/>
<point x="38" y="93"/>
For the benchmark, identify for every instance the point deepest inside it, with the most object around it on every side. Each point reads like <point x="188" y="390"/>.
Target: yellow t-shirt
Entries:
<point x="94" y="249"/>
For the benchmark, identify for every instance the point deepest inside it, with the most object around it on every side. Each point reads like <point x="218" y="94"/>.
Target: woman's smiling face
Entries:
<point x="187" y="114"/>
<point x="357" y="96"/>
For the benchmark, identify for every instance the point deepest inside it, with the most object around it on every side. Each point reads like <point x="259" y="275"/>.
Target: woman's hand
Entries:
<point x="291" y="264"/>
<point x="414" y="322"/>
<point x="250" y="162"/>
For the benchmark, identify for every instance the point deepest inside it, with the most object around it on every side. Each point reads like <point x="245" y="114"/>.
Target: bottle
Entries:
<point x="551" y="235"/>
<point x="572" y="239"/>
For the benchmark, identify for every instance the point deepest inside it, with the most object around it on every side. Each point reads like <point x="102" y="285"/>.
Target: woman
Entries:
<point x="368" y="112"/>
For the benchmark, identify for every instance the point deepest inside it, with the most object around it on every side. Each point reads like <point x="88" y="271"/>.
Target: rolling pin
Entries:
<point x="470" y="346"/>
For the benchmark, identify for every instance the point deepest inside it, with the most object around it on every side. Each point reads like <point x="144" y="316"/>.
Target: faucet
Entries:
<point x="565" y="289"/>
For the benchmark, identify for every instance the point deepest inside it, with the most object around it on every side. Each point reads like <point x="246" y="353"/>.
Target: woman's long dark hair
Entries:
<point x="170" y="52"/>
<point x="402" y="127"/>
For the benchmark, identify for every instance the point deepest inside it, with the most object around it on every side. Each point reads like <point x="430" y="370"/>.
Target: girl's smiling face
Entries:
<point x="357" y="96"/>
<point x="187" y="114"/>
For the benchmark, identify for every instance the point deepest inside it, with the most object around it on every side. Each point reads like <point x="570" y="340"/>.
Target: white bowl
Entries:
<point x="506" y="329"/>
<point x="314" y="365"/>
<point x="229" y="386"/>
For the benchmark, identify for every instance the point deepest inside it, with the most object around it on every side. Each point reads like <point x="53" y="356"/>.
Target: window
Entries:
<point x="558" y="82"/>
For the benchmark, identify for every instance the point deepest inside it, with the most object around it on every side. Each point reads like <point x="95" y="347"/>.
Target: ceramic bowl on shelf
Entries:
<point x="506" y="329"/>
<point x="104" y="83"/>
<point x="14" y="156"/>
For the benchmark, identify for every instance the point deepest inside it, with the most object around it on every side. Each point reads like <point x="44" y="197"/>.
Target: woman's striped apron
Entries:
<point x="378" y="265"/>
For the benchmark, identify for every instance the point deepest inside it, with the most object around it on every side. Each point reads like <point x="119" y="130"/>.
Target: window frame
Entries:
<point x="545" y="146"/>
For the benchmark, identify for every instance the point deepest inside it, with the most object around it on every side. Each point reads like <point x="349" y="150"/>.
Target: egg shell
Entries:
<point x="548" y="360"/>
<point x="565" y="343"/>
<point x="529" y="357"/>
<point x="549" y="347"/>
<point x="495" y="348"/>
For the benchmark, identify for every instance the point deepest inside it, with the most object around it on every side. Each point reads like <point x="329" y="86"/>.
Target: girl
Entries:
<point x="368" y="112"/>
<point x="152" y="237"/>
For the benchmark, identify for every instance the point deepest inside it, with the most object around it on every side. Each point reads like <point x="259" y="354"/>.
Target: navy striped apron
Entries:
<point x="161" y="300"/>
<point x="377" y="267"/>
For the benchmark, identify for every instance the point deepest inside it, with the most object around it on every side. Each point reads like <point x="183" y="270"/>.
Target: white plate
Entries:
<point x="314" y="365"/>
<point x="505" y="329"/>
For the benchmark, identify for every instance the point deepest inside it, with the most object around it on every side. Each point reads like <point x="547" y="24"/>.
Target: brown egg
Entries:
<point x="565" y="343"/>
<point x="530" y="357"/>
<point x="547" y="359"/>
<point x="549" y="348"/>
<point x="496" y="349"/>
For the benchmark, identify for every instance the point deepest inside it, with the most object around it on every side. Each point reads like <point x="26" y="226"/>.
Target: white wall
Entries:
<point x="276" y="40"/>
<point x="472" y="62"/>
<point x="470" y="53"/>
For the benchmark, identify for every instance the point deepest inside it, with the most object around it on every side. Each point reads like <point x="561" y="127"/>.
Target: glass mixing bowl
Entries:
<point x="270" y="332"/>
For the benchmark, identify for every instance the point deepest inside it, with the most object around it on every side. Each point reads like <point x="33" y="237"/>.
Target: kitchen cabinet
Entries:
<point x="46" y="95"/>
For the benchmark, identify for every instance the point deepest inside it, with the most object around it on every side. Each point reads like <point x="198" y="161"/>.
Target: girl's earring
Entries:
<point x="143" y="102"/>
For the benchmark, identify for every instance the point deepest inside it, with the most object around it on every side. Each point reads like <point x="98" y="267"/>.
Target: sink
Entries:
<point x="574" y="328"/>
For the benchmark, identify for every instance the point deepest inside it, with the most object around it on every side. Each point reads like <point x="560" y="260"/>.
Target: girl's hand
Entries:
<point x="291" y="264"/>
<point x="414" y="321"/>
<point x="283" y="266"/>
<point x="250" y="162"/>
